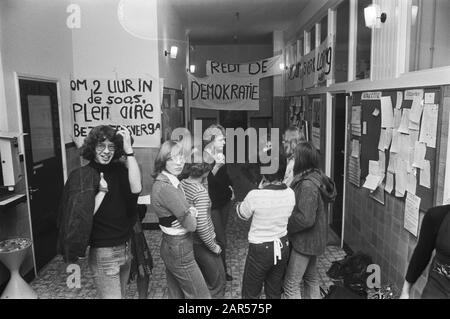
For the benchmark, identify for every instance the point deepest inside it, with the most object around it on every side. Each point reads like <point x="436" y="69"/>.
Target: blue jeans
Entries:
<point x="301" y="268"/>
<point x="111" y="269"/>
<point x="212" y="269"/>
<point x="183" y="275"/>
<point x="260" y="270"/>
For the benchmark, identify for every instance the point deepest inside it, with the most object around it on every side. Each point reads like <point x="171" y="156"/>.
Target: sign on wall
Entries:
<point x="258" y="69"/>
<point x="312" y="69"/>
<point x="133" y="103"/>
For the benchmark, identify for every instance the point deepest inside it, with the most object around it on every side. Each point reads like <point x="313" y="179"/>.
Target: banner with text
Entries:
<point x="222" y="92"/>
<point x="133" y="103"/>
<point x="258" y="69"/>
<point x="314" y="68"/>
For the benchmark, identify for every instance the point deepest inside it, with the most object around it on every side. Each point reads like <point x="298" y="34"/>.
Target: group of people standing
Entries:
<point x="193" y="200"/>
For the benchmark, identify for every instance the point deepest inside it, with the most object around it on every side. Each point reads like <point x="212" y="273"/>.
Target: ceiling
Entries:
<point x="236" y="21"/>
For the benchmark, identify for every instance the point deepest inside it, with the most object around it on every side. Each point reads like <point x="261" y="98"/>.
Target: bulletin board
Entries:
<point x="369" y="141"/>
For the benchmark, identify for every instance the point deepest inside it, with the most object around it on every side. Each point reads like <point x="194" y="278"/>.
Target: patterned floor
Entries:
<point x="51" y="281"/>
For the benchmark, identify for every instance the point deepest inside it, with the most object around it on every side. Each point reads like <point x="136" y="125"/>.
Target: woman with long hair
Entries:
<point x="177" y="220"/>
<point x="307" y="226"/>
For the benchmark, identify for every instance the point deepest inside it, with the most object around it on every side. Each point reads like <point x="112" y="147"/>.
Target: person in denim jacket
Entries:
<point x="99" y="207"/>
<point x="308" y="225"/>
<point x="177" y="220"/>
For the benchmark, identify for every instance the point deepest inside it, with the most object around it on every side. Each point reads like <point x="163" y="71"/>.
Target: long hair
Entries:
<point x="168" y="149"/>
<point x="306" y="157"/>
<point x="98" y="135"/>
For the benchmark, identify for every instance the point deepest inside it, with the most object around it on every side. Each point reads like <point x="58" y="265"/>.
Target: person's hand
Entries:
<point x="103" y="185"/>
<point x="125" y="133"/>
<point x="193" y="211"/>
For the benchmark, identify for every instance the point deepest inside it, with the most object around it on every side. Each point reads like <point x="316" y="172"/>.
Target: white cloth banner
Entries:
<point x="221" y="92"/>
<point x="134" y="103"/>
<point x="258" y="69"/>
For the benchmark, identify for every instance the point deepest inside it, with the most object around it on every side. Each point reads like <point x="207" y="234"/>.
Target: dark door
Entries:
<point x="43" y="157"/>
<point x="338" y="161"/>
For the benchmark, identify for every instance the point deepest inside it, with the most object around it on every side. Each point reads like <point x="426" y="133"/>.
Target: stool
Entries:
<point x="17" y="288"/>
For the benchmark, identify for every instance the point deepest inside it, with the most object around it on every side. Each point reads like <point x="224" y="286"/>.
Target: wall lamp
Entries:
<point x="172" y="53"/>
<point x="374" y="17"/>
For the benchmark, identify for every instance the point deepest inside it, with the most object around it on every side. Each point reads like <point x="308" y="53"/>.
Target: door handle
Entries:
<point x="33" y="190"/>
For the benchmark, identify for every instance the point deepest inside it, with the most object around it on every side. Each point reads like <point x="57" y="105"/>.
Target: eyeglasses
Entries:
<point x="102" y="146"/>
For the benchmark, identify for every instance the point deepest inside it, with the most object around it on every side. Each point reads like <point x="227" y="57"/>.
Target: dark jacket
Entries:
<point x="219" y="188"/>
<point x="308" y="225"/>
<point x="76" y="212"/>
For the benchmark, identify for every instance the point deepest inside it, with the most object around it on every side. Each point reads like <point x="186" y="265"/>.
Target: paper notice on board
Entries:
<point x="356" y="148"/>
<point x="374" y="168"/>
<point x="388" y="140"/>
<point x="404" y="122"/>
<point x="376" y="112"/>
<point x="413" y="138"/>
<point x="389" y="183"/>
<point x="392" y="163"/>
<point x="364" y="128"/>
<point x="395" y="146"/>
<point x="382" y="142"/>
<point x="397" y="118"/>
<point x="374" y="179"/>
<point x="356" y="115"/>
<point x="398" y="104"/>
<point x="420" y="150"/>
<point x="401" y="178"/>
<point x="411" y="184"/>
<point x="411" y="220"/>
<point x="413" y="126"/>
<point x="429" y="98"/>
<point x="429" y="125"/>
<point x="144" y="200"/>
<point x="387" y="114"/>
<point x="416" y="110"/>
<point x="425" y="178"/>
<point x="382" y="162"/>
<point x="412" y="94"/>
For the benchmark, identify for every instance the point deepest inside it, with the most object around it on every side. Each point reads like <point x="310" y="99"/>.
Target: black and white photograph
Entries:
<point x="224" y="151"/>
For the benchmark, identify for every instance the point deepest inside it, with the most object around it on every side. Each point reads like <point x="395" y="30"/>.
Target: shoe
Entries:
<point x="228" y="277"/>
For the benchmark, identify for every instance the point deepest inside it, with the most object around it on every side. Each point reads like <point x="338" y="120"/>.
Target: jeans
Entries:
<point x="212" y="269"/>
<point x="219" y="218"/>
<point x="260" y="269"/>
<point x="111" y="269"/>
<point x="301" y="268"/>
<point x="183" y="275"/>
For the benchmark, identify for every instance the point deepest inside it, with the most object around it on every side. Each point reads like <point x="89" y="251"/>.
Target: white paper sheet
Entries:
<point x="144" y="200"/>
<point x="395" y="146"/>
<point x="411" y="185"/>
<point x="364" y="128"/>
<point x="372" y="182"/>
<point x="416" y="110"/>
<point x="397" y="118"/>
<point x="401" y="177"/>
<point x="376" y="112"/>
<point x="398" y="104"/>
<point x="388" y="138"/>
<point x="411" y="220"/>
<point x="429" y="98"/>
<point x="412" y="94"/>
<point x="405" y="122"/>
<point x="387" y="113"/>
<point x="413" y="127"/>
<point x="356" y="148"/>
<point x="429" y="125"/>
<point x="425" y="178"/>
<point x="392" y="163"/>
<point x="382" y="142"/>
<point x="389" y="183"/>
<point x="356" y="115"/>
<point x="420" y="150"/>
<point x="374" y="168"/>
<point x="382" y="162"/>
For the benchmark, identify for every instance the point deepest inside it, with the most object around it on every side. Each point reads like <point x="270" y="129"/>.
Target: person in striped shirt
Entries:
<point x="206" y="250"/>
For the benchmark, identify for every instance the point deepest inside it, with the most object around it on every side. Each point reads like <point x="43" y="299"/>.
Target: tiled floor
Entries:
<point x="51" y="281"/>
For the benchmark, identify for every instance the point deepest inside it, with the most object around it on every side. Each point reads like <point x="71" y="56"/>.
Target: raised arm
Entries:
<point x="134" y="173"/>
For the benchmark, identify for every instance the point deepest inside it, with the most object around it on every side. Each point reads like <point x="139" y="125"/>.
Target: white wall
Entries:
<point x="171" y="32"/>
<point x="35" y="41"/>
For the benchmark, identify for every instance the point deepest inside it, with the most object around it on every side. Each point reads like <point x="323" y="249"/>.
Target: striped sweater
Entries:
<point x="197" y="196"/>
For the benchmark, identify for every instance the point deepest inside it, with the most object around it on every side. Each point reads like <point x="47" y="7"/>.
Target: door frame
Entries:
<point x="331" y="125"/>
<point x="23" y="76"/>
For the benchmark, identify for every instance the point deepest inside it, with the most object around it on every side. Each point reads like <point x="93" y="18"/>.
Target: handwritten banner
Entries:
<point x="312" y="69"/>
<point x="220" y="92"/>
<point x="133" y="103"/>
<point x="258" y="69"/>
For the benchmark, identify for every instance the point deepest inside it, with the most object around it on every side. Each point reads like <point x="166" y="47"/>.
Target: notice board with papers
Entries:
<point x="371" y="127"/>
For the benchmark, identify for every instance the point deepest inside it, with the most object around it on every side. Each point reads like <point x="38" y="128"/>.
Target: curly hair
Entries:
<point x="98" y="135"/>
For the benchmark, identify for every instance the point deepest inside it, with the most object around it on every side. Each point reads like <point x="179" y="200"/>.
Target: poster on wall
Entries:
<point x="132" y="102"/>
